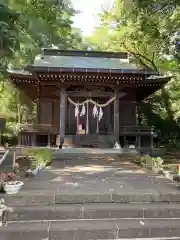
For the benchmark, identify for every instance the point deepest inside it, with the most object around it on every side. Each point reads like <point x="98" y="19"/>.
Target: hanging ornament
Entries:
<point x="83" y="111"/>
<point x="76" y="111"/>
<point x="100" y="113"/>
<point x="95" y="111"/>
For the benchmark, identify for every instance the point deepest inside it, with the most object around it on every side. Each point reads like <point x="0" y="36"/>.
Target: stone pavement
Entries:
<point x="96" y="178"/>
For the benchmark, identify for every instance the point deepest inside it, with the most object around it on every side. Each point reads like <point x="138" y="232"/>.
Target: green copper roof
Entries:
<point x="88" y="60"/>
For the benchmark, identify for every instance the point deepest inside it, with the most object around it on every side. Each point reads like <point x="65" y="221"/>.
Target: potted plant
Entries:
<point x="5" y="177"/>
<point x="10" y="186"/>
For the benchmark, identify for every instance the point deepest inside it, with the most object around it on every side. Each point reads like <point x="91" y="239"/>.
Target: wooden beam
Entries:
<point x="51" y="83"/>
<point x="116" y="118"/>
<point x="93" y="94"/>
<point x="89" y="94"/>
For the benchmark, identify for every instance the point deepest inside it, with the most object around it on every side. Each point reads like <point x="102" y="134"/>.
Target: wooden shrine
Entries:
<point x="85" y="98"/>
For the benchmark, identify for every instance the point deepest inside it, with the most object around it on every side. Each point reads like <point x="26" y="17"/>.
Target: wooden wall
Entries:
<point x="127" y="109"/>
<point x="56" y="112"/>
<point x="46" y="111"/>
<point x="50" y="114"/>
<point x="127" y="113"/>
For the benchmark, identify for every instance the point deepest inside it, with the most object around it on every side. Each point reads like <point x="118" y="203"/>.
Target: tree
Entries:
<point x="146" y="29"/>
<point x="26" y="26"/>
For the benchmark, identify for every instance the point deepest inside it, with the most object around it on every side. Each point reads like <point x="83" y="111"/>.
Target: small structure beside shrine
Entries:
<point x="86" y="98"/>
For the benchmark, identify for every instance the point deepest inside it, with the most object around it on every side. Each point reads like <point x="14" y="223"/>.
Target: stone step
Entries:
<point x="91" y="229"/>
<point x="92" y="211"/>
<point x="47" y="197"/>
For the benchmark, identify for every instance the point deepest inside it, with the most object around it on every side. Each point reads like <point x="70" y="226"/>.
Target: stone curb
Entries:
<point x="24" y="198"/>
<point x="2" y="159"/>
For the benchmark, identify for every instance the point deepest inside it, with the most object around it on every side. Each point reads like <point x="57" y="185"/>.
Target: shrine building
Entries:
<point x="85" y="98"/>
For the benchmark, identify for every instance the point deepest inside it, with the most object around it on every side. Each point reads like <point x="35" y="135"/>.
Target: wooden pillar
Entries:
<point x="62" y="116"/>
<point x="19" y="138"/>
<point x="138" y="140"/>
<point x="125" y="141"/>
<point x="151" y="141"/>
<point x="49" y="139"/>
<point x="33" y="139"/>
<point x="116" y="117"/>
<point x="38" y="103"/>
<point x="108" y="120"/>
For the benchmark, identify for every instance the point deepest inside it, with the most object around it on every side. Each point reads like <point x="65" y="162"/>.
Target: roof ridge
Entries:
<point x="83" y="53"/>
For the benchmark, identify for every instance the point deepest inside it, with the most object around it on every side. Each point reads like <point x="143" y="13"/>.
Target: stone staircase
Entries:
<point x="93" y="141"/>
<point x="90" y="220"/>
<point x="94" y="212"/>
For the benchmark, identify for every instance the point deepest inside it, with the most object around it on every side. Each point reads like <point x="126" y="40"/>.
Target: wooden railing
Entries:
<point x="54" y="129"/>
<point x="33" y="128"/>
<point x="135" y="130"/>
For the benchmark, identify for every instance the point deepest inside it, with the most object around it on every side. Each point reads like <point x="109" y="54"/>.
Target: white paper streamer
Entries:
<point x="95" y="111"/>
<point x="100" y="113"/>
<point x="83" y="111"/>
<point x="76" y="110"/>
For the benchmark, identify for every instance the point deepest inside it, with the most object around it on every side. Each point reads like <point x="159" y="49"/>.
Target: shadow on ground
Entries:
<point x="94" y="173"/>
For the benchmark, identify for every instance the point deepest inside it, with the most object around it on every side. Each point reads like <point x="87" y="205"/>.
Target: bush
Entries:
<point x="41" y="155"/>
<point x="146" y="159"/>
<point x="172" y="167"/>
<point x="157" y="162"/>
<point x="151" y="162"/>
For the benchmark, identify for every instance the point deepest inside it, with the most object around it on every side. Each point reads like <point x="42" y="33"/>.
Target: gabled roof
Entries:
<point x="55" y="60"/>
<point x="83" y="59"/>
<point x="63" y="66"/>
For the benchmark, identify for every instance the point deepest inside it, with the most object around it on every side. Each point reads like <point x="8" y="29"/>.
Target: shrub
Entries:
<point x="41" y="155"/>
<point x="150" y="161"/>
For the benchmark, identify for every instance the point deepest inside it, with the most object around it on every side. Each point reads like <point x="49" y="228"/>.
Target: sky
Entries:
<point x="87" y="20"/>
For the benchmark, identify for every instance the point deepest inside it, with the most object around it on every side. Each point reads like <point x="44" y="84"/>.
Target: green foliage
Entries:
<point x="152" y="162"/>
<point x="172" y="167"/>
<point x="40" y="155"/>
<point x="148" y="30"/>
<point x="26" y="26"/>
<point x="8" y="31"/>
<point x="147" y="160"/>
